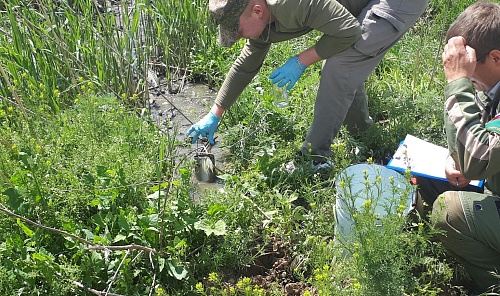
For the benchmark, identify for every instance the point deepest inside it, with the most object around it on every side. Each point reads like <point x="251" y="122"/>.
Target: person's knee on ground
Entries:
<point x="468" y="245"/>
<point x="447" y="216"/>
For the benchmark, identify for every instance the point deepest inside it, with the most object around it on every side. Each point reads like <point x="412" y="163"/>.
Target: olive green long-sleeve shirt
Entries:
<point x="473" y="136"/>
<point x="294" y="18"/>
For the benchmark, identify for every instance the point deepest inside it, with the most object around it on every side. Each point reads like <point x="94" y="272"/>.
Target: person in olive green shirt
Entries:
<point x="356" y="34"/>
<point x="471" y="220"/>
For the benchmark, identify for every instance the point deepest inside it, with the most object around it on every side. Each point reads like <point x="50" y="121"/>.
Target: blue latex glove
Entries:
<point x="289" y="73"/>
<point x="206" y="127"/>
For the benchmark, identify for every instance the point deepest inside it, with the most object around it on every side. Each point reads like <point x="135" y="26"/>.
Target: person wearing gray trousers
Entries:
<point x="341" y="97"/>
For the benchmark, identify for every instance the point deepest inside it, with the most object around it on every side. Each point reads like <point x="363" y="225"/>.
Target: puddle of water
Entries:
<point x="181" y="109"/>
<point x="175" y="113"/>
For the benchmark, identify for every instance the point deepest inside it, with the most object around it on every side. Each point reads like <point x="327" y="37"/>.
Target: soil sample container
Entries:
<point x="205" y="167"/>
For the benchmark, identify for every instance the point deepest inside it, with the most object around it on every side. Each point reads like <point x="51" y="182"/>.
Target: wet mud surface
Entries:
<point x="174" y="112"/>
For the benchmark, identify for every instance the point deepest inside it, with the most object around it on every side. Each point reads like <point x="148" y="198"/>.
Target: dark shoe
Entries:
<point x="325" y="165"/>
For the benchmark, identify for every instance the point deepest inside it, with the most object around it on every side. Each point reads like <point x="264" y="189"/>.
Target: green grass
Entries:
<point x="75" y="156"/>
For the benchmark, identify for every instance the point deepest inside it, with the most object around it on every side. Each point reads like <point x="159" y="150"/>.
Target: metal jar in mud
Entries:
<point x="205" y="167"/>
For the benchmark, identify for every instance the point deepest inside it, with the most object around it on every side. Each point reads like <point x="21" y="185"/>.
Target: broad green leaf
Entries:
<point x="100" y="240"/>
<point x="26" y="159"/>
<point x="69" y="239"/>
<point x="153" y="219"/>
<point x="95" y="202"/>
<point x="15" y="197"/>
<point x="299" y="216"/>
<point x="40" y="257"/>
<point x="177" y="271"/>
<point x="184" y="172"/>
<point x="219" y="228"/>
<point x="25" y="228"/>
<point x="270" y="213"/>
<point x="122" y="221"/>
<point x="292" y="198"/>
<point x="97" y="218"/>
<point x="180" y="243"/>
<point x="214" y="209"/>
<point x="156" y="195"/>
<point x="119" y="237"/>
<point x="89" y="235"/>
<point x="161" y="264"/>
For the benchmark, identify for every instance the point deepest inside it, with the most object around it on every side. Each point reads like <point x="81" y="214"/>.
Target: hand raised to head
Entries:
<point x="459" y="59"/>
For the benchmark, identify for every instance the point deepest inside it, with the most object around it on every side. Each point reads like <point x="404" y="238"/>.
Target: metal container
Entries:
<point x="205" y="167"/>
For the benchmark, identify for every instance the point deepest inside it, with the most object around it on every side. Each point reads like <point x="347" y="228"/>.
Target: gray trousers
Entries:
<point x="470" y="222"/>
<point x="341" y="97"/>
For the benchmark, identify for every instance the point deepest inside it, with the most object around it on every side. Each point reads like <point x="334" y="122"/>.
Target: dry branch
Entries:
<point x="94" y="291"/>
<point x="93" y="246"/>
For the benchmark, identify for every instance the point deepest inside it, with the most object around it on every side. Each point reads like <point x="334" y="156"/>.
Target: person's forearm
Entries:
<point x="309" y="56"/>
<point x="243" y="70"/>
<point x="217" y="110"/>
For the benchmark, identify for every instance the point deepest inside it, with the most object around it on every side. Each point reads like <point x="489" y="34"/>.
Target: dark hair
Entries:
<point x="479" y="24"/>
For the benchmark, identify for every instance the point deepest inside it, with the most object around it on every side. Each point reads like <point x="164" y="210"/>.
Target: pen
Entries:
<point x="455" y="167"/>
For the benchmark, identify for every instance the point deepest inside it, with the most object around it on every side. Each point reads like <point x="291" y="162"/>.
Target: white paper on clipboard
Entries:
<point x="422" y="159"/>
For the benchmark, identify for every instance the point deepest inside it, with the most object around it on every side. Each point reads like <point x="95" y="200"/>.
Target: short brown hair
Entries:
<point x="479" y="24"/>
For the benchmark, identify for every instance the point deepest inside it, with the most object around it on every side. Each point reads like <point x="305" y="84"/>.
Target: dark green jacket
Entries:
<point x="294" y="18"/>
<point x="473" y="133"/>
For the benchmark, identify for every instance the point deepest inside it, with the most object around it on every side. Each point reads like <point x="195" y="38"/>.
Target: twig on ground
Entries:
<point x="94" y="291"/>
<point x="115" y="276"/>
<point x="153" y="284"/>
<point x="4" y="209"/>
<point x="93" y="246"/>
<point x="121" y="248"/>
<point x="257" y="207"/>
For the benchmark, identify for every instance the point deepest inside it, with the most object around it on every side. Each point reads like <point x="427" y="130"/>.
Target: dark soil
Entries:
<point x="271" y="270"/>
